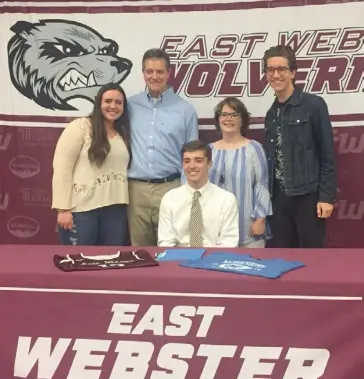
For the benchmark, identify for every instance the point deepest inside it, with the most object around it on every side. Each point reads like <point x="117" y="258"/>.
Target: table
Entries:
<point x="173" y="322"/>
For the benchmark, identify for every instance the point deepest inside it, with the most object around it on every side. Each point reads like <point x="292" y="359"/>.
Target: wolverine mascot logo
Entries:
<point x="55" y="61"/>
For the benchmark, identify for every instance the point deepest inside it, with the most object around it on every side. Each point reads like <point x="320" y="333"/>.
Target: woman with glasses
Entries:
<point x="239" y="165"/>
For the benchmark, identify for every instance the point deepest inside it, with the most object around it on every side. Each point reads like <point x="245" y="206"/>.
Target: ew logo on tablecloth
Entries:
<point x="24" y="167"/>
<point x="23" y="227"/>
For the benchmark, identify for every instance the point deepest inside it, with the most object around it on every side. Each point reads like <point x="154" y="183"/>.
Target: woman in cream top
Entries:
<point x="90" y="187"/>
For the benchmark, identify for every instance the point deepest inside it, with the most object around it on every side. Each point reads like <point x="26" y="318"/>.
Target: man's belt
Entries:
<point x="168" y="179"/>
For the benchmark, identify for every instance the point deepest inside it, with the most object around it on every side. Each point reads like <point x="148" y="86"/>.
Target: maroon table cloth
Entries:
<point x="174" y="322"/>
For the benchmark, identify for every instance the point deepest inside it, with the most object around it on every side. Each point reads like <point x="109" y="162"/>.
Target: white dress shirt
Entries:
<point x="219" y="211"/>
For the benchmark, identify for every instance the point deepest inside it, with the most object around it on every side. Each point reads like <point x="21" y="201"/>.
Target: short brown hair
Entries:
<point x="239" y="107"/>
<point x="281" y="51"/>
<point x="197" y="145"/>
<point x="156" y="53"/>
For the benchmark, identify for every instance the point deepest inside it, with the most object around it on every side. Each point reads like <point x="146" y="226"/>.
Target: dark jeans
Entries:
<point x="104" y="226"/>
<point x="294" y="223"/>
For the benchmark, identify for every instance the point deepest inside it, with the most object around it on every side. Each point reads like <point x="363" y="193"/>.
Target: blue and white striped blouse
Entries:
<point x="244" y="172"/>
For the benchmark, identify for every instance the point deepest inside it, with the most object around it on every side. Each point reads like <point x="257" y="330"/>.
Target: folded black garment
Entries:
<point x="122" y="259"/>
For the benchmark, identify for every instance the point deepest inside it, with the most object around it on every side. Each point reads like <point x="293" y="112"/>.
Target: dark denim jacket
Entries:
<point x="307" y="144"/>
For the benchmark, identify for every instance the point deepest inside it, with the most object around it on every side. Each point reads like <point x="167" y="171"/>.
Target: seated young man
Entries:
<point x="199" y="213"/>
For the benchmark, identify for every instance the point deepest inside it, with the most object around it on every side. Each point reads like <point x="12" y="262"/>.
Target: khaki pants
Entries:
<point x="256" y="244"/>
<point x="143" y="210"/>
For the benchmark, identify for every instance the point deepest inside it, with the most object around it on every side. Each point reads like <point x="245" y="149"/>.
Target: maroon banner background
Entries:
<point x="26" y="156"/>
<point x="330" y="64"/>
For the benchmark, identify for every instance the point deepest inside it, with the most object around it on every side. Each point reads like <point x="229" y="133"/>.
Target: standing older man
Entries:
<point x="161" y="122"/>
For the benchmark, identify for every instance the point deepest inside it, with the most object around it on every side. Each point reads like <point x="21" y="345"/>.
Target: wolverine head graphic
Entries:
<point x="55" y="61"/>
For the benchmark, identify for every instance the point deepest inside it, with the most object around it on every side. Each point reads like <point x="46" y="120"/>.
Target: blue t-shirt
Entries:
<point x="179" y="254"/>
<point x="244" y="264"/>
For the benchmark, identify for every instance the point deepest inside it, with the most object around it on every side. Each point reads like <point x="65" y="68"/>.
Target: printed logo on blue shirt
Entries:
<point x="239" y="265"/>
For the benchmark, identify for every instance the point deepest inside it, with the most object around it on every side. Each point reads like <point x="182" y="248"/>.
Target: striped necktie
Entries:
<point x="196" y="222"/>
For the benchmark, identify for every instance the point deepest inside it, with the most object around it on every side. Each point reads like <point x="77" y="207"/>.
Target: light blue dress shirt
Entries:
<point x="159" y="128"/>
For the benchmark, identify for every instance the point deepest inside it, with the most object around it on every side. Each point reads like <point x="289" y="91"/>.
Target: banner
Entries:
<point x="56" y="55"/>
<point x="135" y="336"/>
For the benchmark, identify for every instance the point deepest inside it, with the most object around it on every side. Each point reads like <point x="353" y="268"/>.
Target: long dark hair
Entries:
<point x="100" y="145"/>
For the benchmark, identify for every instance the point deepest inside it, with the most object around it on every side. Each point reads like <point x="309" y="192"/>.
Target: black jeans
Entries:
<point x="294" y="223"/>
<point x="105" y="226"/>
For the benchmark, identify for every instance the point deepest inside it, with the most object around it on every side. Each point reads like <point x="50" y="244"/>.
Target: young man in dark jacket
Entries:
<point x="301" y="158"/>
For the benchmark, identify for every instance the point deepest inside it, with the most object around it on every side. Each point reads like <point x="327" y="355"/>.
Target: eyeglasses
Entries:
<point x="280" y="70"/>
<point x="234" y="115"/>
